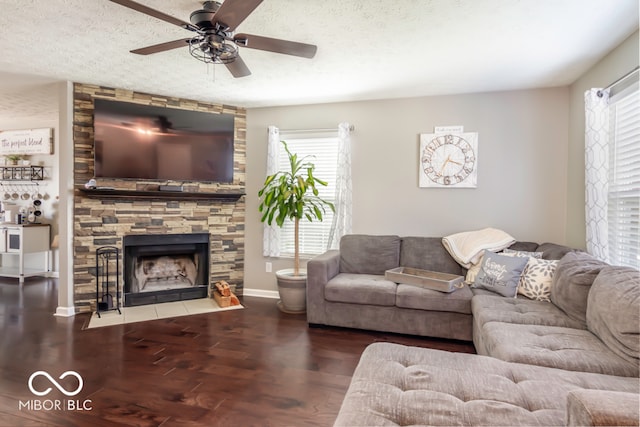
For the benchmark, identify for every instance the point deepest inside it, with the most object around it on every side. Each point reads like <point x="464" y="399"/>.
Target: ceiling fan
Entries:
<point x="215" y="41"/>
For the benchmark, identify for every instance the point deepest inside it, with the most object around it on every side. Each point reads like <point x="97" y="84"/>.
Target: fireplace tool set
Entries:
<point x="107" y="285"/>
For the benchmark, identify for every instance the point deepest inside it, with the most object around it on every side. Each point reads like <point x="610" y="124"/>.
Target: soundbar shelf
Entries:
<point x="102" y="193"/>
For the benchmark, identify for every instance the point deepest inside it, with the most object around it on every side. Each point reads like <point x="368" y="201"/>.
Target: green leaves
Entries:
<point x="293" y="194"/>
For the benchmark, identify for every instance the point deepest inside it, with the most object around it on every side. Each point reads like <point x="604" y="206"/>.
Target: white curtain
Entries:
<point x="271" y="233"/>
<point x="341" y="224"/>
<point x="596" y="171"/>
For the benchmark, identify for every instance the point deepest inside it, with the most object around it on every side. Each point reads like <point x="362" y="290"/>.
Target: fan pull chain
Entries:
<point x="213" y="72"/>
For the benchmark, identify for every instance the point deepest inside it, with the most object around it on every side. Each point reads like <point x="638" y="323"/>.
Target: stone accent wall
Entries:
<point x="104" y="222"/>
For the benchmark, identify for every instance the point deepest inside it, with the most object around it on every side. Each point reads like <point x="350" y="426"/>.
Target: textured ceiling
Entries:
<point x="367" y="49"/>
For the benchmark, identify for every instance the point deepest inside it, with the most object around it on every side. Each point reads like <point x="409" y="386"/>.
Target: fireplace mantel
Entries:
<point x="102" y="193"/>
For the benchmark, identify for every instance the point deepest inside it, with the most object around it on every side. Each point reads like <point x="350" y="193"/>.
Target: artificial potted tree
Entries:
<point x="293" y="195"/>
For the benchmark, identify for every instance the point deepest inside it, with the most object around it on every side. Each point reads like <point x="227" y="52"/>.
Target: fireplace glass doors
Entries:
<point x="161" y="268"/>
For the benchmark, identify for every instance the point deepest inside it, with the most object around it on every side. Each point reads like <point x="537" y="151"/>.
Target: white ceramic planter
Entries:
<point x="293" y="291"/>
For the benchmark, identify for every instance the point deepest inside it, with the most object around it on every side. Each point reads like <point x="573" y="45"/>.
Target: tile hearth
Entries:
<point x="165" y="310"/>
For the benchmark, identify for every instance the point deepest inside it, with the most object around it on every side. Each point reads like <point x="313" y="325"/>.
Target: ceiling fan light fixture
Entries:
<point x="215" y="41"/>
<point x="212" y="51"/>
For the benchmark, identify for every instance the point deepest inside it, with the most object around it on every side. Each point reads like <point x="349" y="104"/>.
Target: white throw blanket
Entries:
<point x="467" y="247"/>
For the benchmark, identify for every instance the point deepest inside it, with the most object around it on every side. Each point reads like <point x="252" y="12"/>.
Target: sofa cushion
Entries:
<point x="500" y="273"/>
<point x="491" y="308"/>
<point x="613" y="310"/>
<point x="572" y="281"/>
<point x="361" y="289"/>
<point x="364" y="254"/>
<point x="427" y="253"/>
<point x="524" y="246"/>
<point x="458" y="301"/>
<point x="398" y="385"/>
<point x="553" y="250"/>
<point x="555" y="347"/>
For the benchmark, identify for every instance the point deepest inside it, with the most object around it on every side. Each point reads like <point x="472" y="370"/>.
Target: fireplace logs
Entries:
<point x="221" y="292"/>
<point x="165" y="272"/>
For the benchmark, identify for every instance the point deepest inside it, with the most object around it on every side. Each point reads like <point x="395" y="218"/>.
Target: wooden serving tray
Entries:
<point x="443" y="282"/>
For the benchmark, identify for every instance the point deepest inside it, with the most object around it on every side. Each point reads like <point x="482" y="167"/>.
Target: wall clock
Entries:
<point x="449" y="160"/>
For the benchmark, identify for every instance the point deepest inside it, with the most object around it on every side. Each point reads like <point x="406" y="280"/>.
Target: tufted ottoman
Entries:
<point x="400" y="385"/>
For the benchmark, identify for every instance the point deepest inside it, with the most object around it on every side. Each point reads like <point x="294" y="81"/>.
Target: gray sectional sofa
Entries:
<point x="573" y="361"/>
<point x="347" y="287"/>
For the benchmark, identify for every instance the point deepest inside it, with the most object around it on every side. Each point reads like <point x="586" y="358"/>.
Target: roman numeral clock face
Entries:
<point x="448" y="160"/>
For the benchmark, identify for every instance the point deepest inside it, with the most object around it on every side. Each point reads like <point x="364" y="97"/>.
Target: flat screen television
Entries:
<point x="135" y="141"/>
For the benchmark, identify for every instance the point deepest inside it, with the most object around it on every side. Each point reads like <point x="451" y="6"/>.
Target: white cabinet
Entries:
<point x="24" y="250"/>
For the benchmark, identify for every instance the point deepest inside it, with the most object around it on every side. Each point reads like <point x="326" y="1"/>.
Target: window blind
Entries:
<point x="624" y="179"/>
<point x="323" y="152"/>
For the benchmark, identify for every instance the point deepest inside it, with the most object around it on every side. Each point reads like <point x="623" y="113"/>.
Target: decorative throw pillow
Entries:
<point x="511" y="252"/>
<point x="473" y="271"/>
<point x="500" y="273"/>
<point x="536" y="279"/>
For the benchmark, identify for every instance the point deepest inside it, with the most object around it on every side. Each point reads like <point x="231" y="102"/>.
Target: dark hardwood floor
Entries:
<point x="247" y="367"/>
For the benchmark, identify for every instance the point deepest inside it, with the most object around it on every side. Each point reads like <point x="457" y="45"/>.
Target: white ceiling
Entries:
<point x="367" y="49"/>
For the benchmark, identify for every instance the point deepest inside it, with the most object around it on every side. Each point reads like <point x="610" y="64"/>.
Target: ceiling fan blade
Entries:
<point x="238" y="68"/>
<point x="276" y="45"/>
<point x="155" y="13"/>
<point x="161" y="47"/>
<point x="233" y="12"/>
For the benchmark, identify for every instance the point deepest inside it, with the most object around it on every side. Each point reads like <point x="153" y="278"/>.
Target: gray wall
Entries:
<point x="616" y="64"/>
<point x="522" y="174"/>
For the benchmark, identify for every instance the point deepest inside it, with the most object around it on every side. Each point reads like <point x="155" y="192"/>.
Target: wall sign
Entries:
<point x="449" y="158"/>
<point x="28" y="141"/>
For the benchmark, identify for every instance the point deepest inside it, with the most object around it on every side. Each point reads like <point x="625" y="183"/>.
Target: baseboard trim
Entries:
<point x="260" y="293"/>
<point x="65" y="312"/>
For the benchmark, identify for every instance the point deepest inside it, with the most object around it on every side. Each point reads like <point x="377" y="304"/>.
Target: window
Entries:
<point x="314" y="236"/>
<point x="624" y="178"/>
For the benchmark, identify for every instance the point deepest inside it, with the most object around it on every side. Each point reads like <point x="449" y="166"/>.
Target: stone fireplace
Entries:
<point x="136" y="208"/>
<point x="161" y="268"/>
